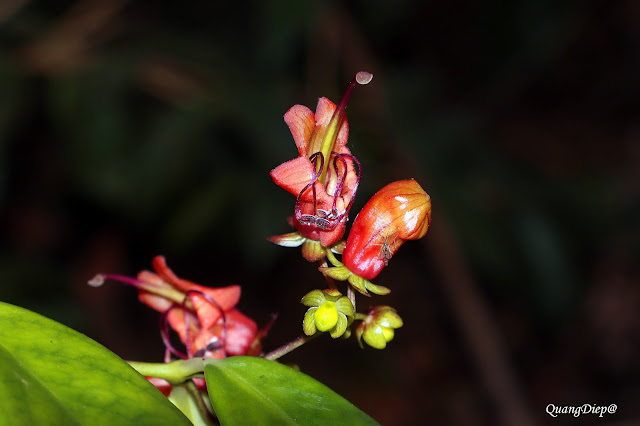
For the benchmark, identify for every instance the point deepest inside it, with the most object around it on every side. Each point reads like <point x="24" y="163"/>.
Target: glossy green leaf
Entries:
<point x="255" y="391"/>
<point x="52" y="375"/>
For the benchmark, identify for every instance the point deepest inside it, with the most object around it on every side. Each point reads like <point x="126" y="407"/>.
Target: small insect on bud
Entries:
<point x="399" y="212"/>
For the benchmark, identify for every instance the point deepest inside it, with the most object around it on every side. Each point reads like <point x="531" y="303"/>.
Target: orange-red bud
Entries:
<point x="399" y="212"/>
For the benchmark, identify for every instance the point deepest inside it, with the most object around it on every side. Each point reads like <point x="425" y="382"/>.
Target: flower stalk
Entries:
<point x="289" y="347"/>
<point x="174" y="372"/>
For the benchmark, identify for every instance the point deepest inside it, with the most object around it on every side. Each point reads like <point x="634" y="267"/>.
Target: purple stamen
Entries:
<point x="300" y="217"/>
<point x="164" y="333"/>
<point x="355" y="186"/>
<point x="100" y="279"/>
<point x="341" y="177"/>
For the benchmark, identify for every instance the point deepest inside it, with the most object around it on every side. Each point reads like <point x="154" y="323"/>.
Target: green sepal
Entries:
<point x="340" y="328"/>
<point x="374" y="336"/>
<point x="309" y="322"/>
<point x="340" y="273"/>
<point x="376" y="289"/>
<point x="345" y="307"/>
<point x="292" y="239"/>
<point x="391" y="319"/>
<point x="313" y="298"/>
<point x="313" y="251"/>
<point x="358" y="283"/>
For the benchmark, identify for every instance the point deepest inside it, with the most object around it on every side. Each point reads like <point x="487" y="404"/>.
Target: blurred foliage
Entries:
<point x="129" y="129"/>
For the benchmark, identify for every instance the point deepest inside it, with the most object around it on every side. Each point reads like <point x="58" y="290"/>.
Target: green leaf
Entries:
<point x="52" y="375"/>
<point x="256" y="391"/>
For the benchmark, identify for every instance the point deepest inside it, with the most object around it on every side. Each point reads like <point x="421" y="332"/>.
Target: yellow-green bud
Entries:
<point x="329" y="311"/>
<point x="378" y="328"/>
<point x="326" y="316"/>
<point x="388" y="333"/>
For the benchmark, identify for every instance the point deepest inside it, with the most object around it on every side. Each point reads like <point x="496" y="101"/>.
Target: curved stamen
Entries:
<point x="164" y="333"/>
<point x="299" y="216"/>
<point x="355" y="186"/>
<point x="341" y="177"/>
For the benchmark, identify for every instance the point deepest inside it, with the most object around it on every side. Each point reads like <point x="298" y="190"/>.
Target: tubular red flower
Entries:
<point x="399" y="212"/>
<point x="324" y="177"/>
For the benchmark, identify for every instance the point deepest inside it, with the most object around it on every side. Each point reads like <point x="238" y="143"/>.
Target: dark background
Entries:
<point x="135" y="128"/>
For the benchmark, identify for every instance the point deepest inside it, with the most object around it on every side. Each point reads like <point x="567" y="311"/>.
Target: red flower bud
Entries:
<point x="399" y="212"/>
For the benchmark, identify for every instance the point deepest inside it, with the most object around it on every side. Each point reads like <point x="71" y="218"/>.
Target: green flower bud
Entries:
<point x="329" y="311"/>
<point x="378" y="328"/>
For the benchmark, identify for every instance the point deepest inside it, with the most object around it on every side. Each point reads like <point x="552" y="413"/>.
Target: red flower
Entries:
<point x="323" y="177"/>
<point x="204" y="318"/>
<point x="399" y="212"/>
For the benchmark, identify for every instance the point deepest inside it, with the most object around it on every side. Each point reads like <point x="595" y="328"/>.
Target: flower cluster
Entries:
<point x="324" y="178"/>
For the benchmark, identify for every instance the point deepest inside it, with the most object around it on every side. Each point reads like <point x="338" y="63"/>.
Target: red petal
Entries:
<point x="328" y="238"/>
<point x="162" y="385"/>
<point x="176" y="320"/>
<point x="293" y="175"/>
<point x="154" y="301"/>
<point x="200" y="383"/>
<point x="241" y="331"/>
<point x="301" y="122"/>
<point x="204" y="337"/>
<point x="324" y="112"/>
<point x="160" y="265"/>
<point x="208" y="313"/>
<point x="153" y="279"/>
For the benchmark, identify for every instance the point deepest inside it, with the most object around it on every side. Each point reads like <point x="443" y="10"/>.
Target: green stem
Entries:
<point x="198" y="399"/>
<point x="292" y="345"/>
<point x="332" y="258"/>
<point x="330" y="282"/>
<point x="352" y="296"/>
<point x="173" y="372"/>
